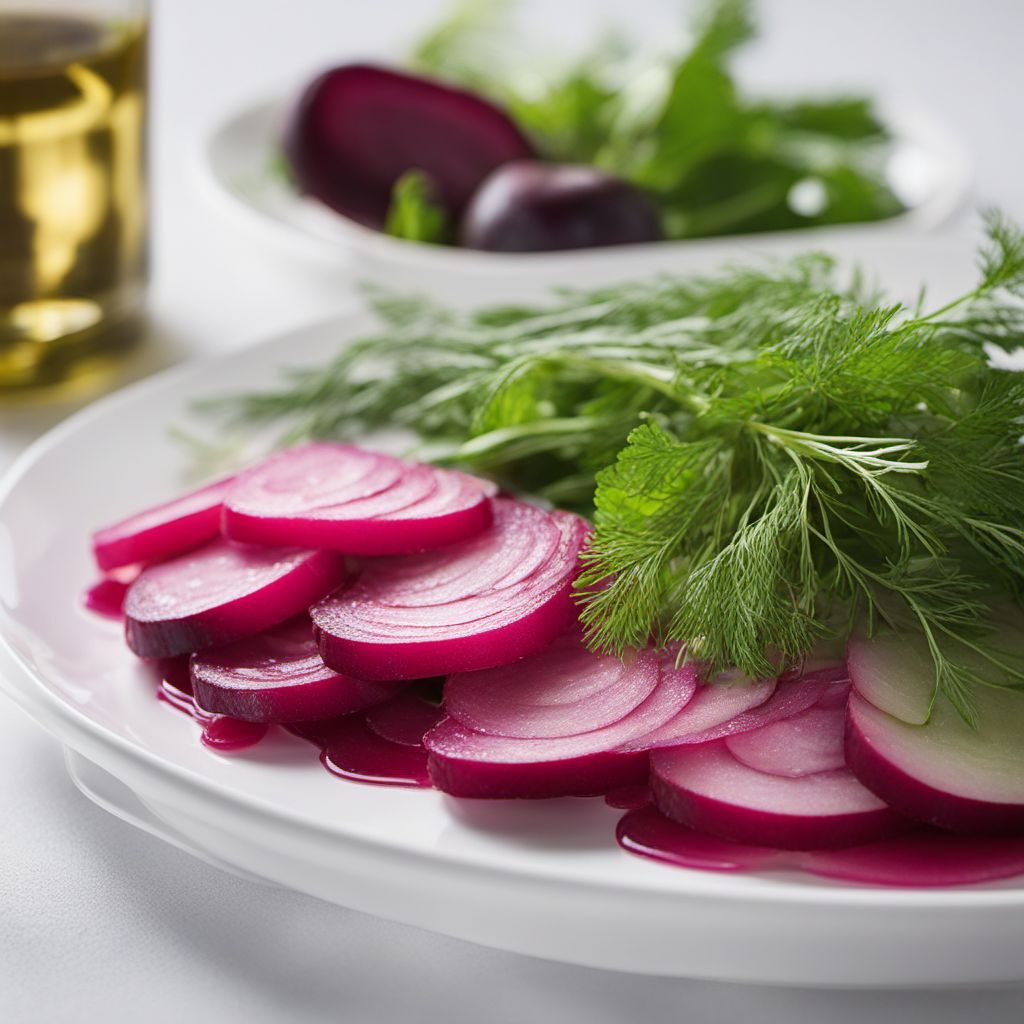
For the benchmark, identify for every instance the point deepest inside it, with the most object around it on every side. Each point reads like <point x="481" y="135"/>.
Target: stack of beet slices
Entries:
<point x="421" y="631"/>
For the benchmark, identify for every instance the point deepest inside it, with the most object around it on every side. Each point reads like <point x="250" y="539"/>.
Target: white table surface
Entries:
<point x="100" y="922"/>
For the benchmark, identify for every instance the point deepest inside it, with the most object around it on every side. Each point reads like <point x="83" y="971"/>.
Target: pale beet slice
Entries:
<point x="357" y="129"/>
<point x="729" y="708"/>
<point x="338" y="496"/>
<point x="707" y="789"/>
<point x="803" y="744"/>
<point x="782" y="785"/>
<point x="918" y="754"/>
<point x="221" y="593"/>
<point x="945" y="773"/>
<point x="466" y="763"/>
<point x="162" y="531"/>
<point x="484" y="602"/>
<point x="278" y="676"/>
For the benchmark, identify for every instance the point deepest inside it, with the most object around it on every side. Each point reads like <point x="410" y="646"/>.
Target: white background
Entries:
<point x="99" y="922"/>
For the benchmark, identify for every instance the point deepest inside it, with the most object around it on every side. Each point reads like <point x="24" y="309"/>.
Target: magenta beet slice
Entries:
<point x="278" y="676"/>
<point x="342" y="497"/>
<point x="474" y="764"/>
<point x="106" y="596"/>
<point x="563" y="691"/>
<point x="487" y="601"/>
<point x="529" y="206"/>
<point x="934" y="767"/>
<point x="162" y="531"/>
<point x="357" y="129"/>
<point x="222" y="593"/>
<point x="404" y="720"/>
<point x="356" y="748"/>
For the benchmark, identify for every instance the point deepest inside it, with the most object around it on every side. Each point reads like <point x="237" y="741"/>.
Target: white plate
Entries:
<point x="928" y="169"/>
<point x="539" y="878"/>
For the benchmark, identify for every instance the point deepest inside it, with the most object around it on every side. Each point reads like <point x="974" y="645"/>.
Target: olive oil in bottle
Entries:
<point x="72" y="194"/>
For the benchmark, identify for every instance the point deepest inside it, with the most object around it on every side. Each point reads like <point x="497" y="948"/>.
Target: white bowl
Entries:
<point x="543" y="878"/>
<point x="928" y="169"/>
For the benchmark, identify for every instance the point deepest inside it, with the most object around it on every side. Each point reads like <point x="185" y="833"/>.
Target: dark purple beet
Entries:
<point x="357" y="129"/>
<point x="528" y="206"/>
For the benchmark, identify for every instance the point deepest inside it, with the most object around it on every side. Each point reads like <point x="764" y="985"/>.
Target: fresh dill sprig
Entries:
<point x="770" y="455"/>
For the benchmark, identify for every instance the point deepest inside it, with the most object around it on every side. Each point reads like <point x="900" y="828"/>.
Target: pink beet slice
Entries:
<point x="707" y="789"/>
<point x="803" y="744"/>
<point x="487" y="601"/>
<point x="718" y="710"/>
<point x="278" y="676"/>
<point x="936" y="768"/>
<point x="222" y="593"/>
<point x="338" y="496"/>
<point x="357" y="129"/>
<point x="162" y="531"/>
<point x="473" y="764"/>
<point x="562" y="691"/>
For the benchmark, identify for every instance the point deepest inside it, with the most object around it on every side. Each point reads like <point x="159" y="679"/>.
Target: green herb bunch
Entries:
<point x="714" y="161"/>
<point x="769" y="455"/>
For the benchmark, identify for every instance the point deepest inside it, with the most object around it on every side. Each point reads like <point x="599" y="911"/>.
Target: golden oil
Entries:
<point x="72" y="194"/>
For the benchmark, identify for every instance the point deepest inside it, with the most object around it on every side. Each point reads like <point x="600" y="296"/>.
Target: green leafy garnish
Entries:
<point x="769" y="454"/>
<point x="713" y="160"/>
<point x="414" y="213"/>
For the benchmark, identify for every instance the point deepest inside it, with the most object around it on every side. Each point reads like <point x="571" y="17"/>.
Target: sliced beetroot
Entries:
<point x="894" y="673"/>
<point x="222" y="593"/>
<point x="529" y="206"/>
<point x="937" y="768"/>
<point x="357" y="129"/>
<point x="405" y="720"/>
<point x="106" y="596"/>
<point x="357" y="753"/>
<point x="338" y="496"/>
<point x="488" y="601"/>
<point x="707" y="789"/>
<point x="918" y="858"/>
<point x="790" y="789"/>
<point x="564" y="691"/>
<point x="474" y="764"/>
<point x="162" y="531"/>
<point x="219" y="732"/>
<point x="803" y="744"/>
<point x="470" y="764"/>
<point x="945" y="773"/>
<point x="719" y="710"/>
<point x="278" y="676"/>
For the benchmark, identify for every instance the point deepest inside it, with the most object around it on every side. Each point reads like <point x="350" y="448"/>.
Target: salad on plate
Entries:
<point x="739" y="553"/>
